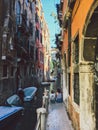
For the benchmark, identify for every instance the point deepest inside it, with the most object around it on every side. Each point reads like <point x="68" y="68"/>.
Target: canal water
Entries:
<point x="25" y="122"/>
<point x="28" y="120"/>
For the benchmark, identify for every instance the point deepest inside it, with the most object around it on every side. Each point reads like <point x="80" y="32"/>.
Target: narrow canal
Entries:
<point x="28" y="119"/>
<point x="25" y="122"/>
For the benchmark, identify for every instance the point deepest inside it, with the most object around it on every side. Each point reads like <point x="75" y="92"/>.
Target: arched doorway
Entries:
<point x="90" y="52"/>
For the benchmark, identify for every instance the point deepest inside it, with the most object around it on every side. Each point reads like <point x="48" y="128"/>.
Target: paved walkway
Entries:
<point x="58" y="118"/>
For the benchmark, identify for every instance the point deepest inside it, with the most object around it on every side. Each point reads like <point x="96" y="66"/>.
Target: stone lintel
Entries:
<point x="88" y="37"/>
<point x="86" y="67"/>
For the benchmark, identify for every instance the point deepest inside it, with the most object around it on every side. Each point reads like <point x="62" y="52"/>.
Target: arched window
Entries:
<point x="26" y="2"/>
<point x="18" y="12"/>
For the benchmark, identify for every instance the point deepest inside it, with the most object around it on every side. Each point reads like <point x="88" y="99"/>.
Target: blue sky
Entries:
<point x="49" y="7"/>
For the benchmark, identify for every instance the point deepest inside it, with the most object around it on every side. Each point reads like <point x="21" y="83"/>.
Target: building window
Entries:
<point x="69" y="56"/>
<point x="41" y="38"/>
<point x="69" y="83"/>
<point x="37" y="33"/>
<point x="32" y="52"/>
<point x="76" y="88"/>
<point x="36" y="18"/>
<point x="31" y="28"/>
<point x="41" y="56"/>
<point x="26" y="1"/>
<point x="76" y="43"/>
<point x="69" y="42"/>
<point x="18" y="13"/>
<point x="12" y="71"/>
<point x="4" y="71"/>
<point x="25" y="70"/>
<point x="89" y="49"/>
<point x="37" y="54"/>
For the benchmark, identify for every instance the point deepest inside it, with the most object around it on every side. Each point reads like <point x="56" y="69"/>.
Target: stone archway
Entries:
<point x="90" y="52"/>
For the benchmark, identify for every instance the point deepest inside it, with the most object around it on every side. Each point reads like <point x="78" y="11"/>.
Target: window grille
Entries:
<point x="69" y="41"/>
<point x="69" y="56"/>
<point x="89" y="49"/>
<point x="69" y="83"/>
<point x="76" y="88"/>
<point x="76" y="42"/>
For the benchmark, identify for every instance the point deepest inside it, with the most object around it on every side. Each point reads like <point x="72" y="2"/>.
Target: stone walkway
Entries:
<point x="58" y="118"/>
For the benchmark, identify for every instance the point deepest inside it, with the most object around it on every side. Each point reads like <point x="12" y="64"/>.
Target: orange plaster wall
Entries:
<point x="65" y="42"/>
<point x="80" y="16"/>
<point x="65" y="33"/>
<point x="74" y="115"/>
<point x="64" y="6"/>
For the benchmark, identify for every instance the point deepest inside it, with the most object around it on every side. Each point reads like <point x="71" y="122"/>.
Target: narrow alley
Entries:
<point x="58" y="118"/>
<point x="48" y="45"/>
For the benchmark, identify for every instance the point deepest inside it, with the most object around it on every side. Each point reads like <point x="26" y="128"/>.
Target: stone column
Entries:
<point x="46" y="103"/>
<point x="42" y="111"/>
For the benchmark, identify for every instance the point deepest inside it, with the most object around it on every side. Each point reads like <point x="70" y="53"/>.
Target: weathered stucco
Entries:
<point x="82" y="115"/>
<point x="87" y="116"/>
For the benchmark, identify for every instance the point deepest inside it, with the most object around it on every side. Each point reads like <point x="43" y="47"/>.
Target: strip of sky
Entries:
<point x="49" y="8"/>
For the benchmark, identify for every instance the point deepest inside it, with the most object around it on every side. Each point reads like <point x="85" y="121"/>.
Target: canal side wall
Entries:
<point x="82" y="113"/>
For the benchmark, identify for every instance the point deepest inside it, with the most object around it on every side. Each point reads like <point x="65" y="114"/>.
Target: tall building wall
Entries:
<point x="79" y="45"/>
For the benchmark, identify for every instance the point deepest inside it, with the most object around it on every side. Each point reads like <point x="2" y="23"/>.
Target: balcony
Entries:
<point x="60" y="15"/>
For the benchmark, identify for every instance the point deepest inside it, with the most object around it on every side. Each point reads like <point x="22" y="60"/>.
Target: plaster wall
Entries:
<point x="86" y="77"/>
<point x="64" y="83"/>
<point x="87" y="117"/>
<point x="79" y="15"/>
